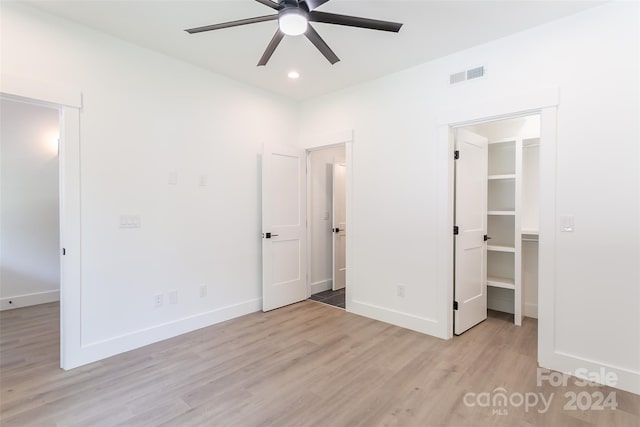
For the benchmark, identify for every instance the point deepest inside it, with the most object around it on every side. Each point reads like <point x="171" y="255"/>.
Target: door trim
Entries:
<point x="69" y="103"/>
<point x="320" y="142"/>
<point x="545" y="103"/>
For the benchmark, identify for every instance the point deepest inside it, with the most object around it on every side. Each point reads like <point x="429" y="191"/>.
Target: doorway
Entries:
<point x="286" y="253"/>
<point x="327" y="225"/>
<point x="496" y="217"/>
<point x="30" y="262"/>
<point x="68" y="102"/>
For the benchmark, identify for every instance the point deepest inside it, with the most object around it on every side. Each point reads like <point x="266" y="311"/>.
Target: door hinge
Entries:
<point x="456" y="230"/>
<point x="456" y="155"/>
<point x="455" y="305"/>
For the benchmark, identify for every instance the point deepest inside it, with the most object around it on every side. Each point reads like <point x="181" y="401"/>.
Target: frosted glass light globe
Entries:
<point x="293" y="22"/>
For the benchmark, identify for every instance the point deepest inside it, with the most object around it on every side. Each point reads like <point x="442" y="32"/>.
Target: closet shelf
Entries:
<point x="505" y="176"/>
<point x="503" y="141"/>
<point x="501" y="282"/>
<point x="498" y="248"/>
<point x="512" y="213"/>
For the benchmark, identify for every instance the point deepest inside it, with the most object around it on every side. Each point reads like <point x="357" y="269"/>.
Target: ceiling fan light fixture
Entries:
<point x="293" y="22"/>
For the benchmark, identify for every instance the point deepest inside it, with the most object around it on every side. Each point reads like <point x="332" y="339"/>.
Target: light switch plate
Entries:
<point x="203" y="180"/>
<point x="566" y="223"/>
<point x="173" y="297"/>
<point x="173" y="178"/>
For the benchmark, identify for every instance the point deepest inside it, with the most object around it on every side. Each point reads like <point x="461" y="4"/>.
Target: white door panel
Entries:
<point x="471" y="220"/>
<point x="284" y="248"/>
<point x="339" y="225"/>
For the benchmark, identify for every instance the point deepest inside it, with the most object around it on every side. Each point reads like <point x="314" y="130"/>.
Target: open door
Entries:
<point x="339" y="225"/>
<point x="284" y="246"/>
<point x="470" y="284"/>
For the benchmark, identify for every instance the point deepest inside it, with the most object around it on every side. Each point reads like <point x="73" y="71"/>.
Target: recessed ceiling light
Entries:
<point x="293" y="74"/>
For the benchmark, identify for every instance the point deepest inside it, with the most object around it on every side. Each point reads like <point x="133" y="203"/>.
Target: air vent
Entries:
<point x="473" y="73"/>
<point x="458" y="77"/>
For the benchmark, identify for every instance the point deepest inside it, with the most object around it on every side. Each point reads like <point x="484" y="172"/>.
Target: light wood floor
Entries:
<point x="303" y="365"/>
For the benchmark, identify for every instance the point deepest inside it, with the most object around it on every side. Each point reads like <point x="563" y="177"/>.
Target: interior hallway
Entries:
<point x="303" y="365"/>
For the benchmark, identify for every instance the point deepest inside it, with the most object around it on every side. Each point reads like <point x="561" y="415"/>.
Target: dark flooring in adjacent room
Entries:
<point x="334" y="298"/>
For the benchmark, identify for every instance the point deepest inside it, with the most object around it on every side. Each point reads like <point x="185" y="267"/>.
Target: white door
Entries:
<point x="284" y="246"/>
<point x="339" y="225"/>
<point x="471" y="220"/>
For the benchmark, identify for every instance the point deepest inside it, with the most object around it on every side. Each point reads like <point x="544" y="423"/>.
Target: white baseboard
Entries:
<point x="506" y="306"/>
<point x="92" y="352"/>
<point x="627" y="379"/>
<point x="530" y="310"/>
<point x="496" y="303"/>
<point x="321" y="286"/>
<point x="404" y="320"/>
<point x="8" y="303"/>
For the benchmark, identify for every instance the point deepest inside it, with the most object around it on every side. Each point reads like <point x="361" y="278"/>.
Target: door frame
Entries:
<point x="69" y="103"/>
<point x="545" y="103"/>
<point x="320" y="142"/>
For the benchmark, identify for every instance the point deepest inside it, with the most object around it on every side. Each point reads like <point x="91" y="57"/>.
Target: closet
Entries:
<point x="512" y="182"/>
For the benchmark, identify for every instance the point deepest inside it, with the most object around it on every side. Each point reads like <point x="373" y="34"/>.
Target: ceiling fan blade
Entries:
<point x="354" y="21"/>
<point x="273" y="44"/>
<point x="271" y="4"/>
<point x="232" y="24"/>
<point x="322" y="46"/>
<point x="313" y="4"/>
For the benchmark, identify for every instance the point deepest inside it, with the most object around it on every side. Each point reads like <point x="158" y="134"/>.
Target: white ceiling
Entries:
<point x="431" y="29"/>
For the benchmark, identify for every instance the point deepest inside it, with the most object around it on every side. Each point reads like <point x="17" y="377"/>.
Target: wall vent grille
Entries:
<point x="472" y="73"/>
<point x="475" y="73"/>
<point x="458" y="77"/>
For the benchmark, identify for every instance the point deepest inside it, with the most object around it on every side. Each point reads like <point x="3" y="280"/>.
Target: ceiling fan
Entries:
<point x="293" y="19"/>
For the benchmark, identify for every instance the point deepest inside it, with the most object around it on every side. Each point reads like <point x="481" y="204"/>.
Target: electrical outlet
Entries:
<point x="203" y="291"/>
<point x="173" y="297"/>
<point x="401" y="291"/>
<point x="158" y="300"/>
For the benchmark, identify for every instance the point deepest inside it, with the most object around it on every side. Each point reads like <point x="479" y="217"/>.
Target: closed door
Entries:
<point x="471" y="221"/>
<point x="339" y="226"/>
<point x="284" y="265"/>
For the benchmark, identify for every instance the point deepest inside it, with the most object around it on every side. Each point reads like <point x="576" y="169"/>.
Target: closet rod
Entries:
<point x="530" y="145"/>
<point x="529" y="240"/>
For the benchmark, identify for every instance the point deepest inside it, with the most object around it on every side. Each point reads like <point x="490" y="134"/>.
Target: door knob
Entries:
<point x="269" y="235"/>
<point x="336" y="230"/>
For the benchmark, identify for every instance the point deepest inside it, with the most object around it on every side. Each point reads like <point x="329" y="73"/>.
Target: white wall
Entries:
<point x="593" y="58"/>
<point x="145" y="115"/>
<point x="29" y="217"/>
<point x="321" y="216"/>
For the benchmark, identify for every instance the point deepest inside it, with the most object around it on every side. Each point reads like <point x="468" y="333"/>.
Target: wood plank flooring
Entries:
<point x="302" y="365"/>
